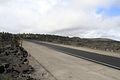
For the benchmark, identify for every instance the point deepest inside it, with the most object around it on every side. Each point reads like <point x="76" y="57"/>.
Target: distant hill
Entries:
<point x="100" y="39"/>
<point x="94" y="43"/>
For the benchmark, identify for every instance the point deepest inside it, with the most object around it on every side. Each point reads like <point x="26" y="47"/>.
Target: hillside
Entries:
<point x="94" y="43"/>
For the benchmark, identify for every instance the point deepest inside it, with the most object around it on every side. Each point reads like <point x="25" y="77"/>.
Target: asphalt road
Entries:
<point x="109" y="61"/>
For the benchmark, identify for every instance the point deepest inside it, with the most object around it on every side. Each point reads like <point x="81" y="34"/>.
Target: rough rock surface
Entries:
<point x="14" y="64"/>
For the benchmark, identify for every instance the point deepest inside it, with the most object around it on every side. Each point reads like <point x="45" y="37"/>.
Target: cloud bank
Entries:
<point x="83" y="18"/>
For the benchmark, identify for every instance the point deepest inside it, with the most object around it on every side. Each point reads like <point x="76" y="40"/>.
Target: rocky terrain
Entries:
<point x="14" y="64"/>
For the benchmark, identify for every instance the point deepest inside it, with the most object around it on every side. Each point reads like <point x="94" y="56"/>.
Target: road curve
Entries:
<point x="113" y="62"/>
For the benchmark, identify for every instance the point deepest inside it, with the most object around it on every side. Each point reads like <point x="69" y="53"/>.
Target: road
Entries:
<point x="113" y="62"/>
<point x="66" y="67"/>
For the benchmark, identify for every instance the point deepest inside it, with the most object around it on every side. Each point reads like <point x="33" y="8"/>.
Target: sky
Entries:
<point x="80" y="18"/>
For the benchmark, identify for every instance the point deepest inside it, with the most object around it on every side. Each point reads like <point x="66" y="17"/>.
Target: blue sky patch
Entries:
<point x="112" y="11"/>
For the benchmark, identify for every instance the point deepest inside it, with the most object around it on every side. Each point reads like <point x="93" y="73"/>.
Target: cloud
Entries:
<point x="46" y="16"/>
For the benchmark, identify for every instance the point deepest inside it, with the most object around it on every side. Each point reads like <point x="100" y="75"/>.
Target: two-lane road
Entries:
<point x="66" y="67"/>
<point x="110" y="61"/>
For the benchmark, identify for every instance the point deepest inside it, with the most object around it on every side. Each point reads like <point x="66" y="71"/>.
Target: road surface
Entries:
<point x="109" y="61"/>
<point x="67" y="67"/>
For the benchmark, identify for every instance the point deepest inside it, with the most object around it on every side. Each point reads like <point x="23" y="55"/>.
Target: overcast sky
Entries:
<point x="82" y="18"/>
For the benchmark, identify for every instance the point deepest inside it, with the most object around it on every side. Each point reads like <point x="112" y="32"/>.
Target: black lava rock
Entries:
<point x="2" y="69"/>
